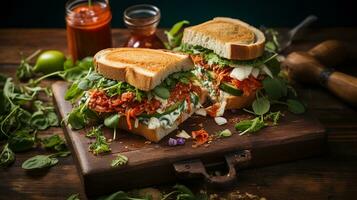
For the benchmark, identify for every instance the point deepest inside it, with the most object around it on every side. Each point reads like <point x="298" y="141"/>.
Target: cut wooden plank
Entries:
<point x="297" y="136"/>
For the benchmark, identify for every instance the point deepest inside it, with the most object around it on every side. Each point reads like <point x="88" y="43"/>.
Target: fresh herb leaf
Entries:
<point x="100" y="145"/>
<point x="76" y="118"/>
<point x="275" y="88"/>
<point x="21" y="140"/>
<point x="119" y="161"/>
<point x="274" y="116"/>
<point x="39" y="162"/>
<point x="73" y="197"/>
<point x="295" y="106"/>
<point x="7" y="157"/>
<point x="54" y="142"/>
<point x="261" y="106"/>
<point x="112" y="121"/>
<point x="272" y="44"/>
<point x="25" y="71"/>
<point x="174" y="36"/>
<point x="250" y="125"/>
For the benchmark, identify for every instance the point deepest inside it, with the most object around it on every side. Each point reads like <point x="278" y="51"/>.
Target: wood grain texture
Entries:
<point x="329" y="177"/>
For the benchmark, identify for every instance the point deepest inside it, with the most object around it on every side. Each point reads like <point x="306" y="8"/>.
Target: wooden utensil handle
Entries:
<point x="343" y="86"/>
<point x="333" y="52"/>
<point x="304" y="67"/>
<point x="329" y="53"/>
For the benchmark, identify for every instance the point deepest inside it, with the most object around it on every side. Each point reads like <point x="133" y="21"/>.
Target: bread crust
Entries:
<point x="141" y="68"/>
<point x="239" y="102"/>
<point x="235" y="43"/>
<point x="155" y="135"/>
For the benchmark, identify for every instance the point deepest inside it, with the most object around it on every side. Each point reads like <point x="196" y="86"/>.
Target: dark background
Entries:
<point x="276" y="13"/>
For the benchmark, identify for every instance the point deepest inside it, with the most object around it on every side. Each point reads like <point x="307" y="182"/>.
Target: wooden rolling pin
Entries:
<point x="314" y="67"/>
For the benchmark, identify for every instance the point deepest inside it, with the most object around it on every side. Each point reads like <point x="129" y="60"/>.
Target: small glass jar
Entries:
<point x="142" y="21"/>
<point x="88" y="27"/>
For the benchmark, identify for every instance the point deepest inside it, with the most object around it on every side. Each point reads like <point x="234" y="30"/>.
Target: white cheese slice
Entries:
<point x="241" y="73"/>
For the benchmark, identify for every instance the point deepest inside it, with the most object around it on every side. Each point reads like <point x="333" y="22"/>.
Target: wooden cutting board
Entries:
<point x="296" y="137"/>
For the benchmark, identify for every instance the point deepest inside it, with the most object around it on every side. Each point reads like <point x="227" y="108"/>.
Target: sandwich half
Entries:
<point x="152" y="91"/>
<point x="229" y="59"/>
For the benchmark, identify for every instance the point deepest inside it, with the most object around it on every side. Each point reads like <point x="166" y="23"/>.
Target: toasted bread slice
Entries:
<point x="239" y="102"/>
<point x="227" y="37"/>
<point x="155" y="135"/>
<point x="141" y="68"/>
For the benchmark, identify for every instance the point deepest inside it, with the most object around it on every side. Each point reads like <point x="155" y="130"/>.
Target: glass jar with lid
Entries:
<point x="142" y="21"/>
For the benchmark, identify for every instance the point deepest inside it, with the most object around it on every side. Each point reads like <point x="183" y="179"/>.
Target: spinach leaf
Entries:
<point x="21" y="140"/>
<point x="54" y="142"/>
<point x="76" y="118"/>
<point x="7" y="157"/>
<point x="39" y="162"/>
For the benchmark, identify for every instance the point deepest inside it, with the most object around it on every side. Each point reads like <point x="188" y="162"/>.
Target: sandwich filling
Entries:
<point x="177" y="94"/>
<point x="223" y="77"/>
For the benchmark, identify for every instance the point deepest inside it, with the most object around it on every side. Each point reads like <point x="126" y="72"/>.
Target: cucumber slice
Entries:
<point x="231" y="89"/>
<point x="167" y="111"/>
<point x="162" y="92"/>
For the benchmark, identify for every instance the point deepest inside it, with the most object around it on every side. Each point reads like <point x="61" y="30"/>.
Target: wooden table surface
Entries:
<point x="330" y="176"/>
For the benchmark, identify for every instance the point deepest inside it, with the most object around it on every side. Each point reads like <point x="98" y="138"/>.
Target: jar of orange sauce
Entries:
<point x="88" y="27"/>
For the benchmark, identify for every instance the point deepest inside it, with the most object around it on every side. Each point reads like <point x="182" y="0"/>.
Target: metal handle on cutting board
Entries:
<point x="196" y="169"/>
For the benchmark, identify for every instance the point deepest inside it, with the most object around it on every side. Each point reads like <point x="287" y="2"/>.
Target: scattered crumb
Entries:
<point x="147" y="142"/>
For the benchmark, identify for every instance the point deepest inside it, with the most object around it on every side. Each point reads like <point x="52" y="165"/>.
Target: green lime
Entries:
<point x="50" y="61"/>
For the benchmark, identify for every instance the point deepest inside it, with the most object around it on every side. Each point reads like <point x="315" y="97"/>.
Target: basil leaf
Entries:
<point x="295" y="106"/>
<point x="261" y="106"/>
<point x="7" y="157"/>
<point x="39" y="162"/>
